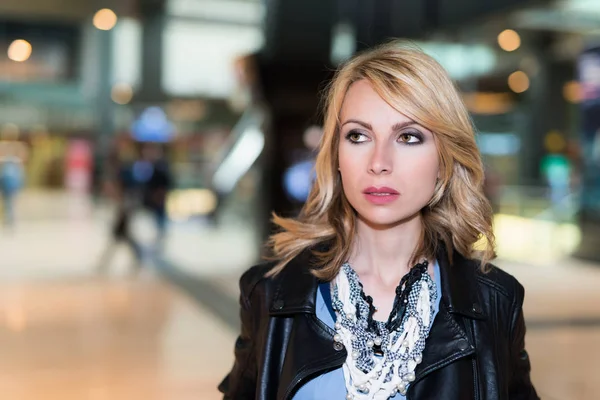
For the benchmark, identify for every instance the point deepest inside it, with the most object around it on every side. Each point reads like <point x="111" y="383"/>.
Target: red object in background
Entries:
<point x="78" y="168"/>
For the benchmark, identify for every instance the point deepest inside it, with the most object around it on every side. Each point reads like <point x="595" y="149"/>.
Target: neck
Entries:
<point x="384" y="252"/>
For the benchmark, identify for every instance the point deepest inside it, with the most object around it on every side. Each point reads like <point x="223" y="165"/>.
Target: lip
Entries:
<point x="382" y="195"/>
<point x="383" y="189"/>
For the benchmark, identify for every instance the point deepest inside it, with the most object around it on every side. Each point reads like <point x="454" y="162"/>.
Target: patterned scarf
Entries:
<point x="382" y="356"/>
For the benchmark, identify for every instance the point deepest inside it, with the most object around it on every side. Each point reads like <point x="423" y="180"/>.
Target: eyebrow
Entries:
<point x="396" y="127"/>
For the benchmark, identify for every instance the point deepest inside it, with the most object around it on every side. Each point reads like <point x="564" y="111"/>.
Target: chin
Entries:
<point x="382" y="220"/>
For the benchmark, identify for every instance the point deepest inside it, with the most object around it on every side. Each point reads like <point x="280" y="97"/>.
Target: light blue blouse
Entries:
<point x="331" y="385"/>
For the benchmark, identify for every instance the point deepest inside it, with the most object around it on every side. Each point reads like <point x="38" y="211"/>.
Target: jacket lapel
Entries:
<point x="310" y="350"/>
<point x="447" y="339"/>
<point x="446" y="343"/>
<point x="309" y="353"/>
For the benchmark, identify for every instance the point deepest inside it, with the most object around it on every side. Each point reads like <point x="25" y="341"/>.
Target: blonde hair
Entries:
<point x="458" y="214"/>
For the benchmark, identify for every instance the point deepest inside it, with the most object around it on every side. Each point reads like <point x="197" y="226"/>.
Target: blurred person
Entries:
<point x="11" y="181"/>
<point x="153" y="172"/>
<point x="124" y="190"/>
<point x="12" y="177"/>
<point x="397" y="198"/>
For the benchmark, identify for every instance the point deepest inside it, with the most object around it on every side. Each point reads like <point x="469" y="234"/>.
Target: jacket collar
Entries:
<point x="296" y="288"/>
<point x="460" y="291"/>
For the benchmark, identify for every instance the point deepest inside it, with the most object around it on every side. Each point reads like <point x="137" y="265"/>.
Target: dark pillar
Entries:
<point x="545" y="110"/>
<point x="152" y="18"/>
<point x="291" y="69"/>
<point x="381" y="20"/>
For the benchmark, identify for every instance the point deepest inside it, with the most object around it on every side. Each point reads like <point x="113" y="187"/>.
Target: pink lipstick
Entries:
<point x="382" y="195"/>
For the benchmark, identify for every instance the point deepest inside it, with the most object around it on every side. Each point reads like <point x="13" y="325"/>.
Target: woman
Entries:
<point x="377" y="291"/>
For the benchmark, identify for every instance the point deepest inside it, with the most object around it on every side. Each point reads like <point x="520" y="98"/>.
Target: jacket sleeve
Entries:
<point x="240" y="383"/>
<point x="520" y="386"/>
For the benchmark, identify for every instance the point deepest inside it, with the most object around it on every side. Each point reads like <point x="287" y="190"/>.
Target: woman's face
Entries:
<point x="388" y="163"/>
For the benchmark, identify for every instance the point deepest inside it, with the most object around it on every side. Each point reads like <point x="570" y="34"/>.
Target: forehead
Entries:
<point x="363" y="102"/>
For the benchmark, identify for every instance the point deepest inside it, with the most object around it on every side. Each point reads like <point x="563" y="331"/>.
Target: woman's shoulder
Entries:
<point x="255" y="275"/>
<point x="494" y="280"/>
<point x="491" y="278"/>
<point x="294" y="281"/>
<point x="501" y="282"/>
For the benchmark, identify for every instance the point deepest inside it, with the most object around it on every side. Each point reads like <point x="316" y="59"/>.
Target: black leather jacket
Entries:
<point x="475" y="349"/>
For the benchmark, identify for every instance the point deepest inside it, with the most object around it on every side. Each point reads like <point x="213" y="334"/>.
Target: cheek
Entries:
<point x="350" y="172"/>
<point x="345" y="161"/>
<point x="421" y="173"/>
<point x="345" y="155"/>
<point x="347" y="172"/>
<point x="427" y="167"/>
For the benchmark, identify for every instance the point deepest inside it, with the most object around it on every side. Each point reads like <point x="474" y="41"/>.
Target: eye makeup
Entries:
<point x="413" y="137"/>
<point x="356" y="137"/>
<point x="410" y="138"/>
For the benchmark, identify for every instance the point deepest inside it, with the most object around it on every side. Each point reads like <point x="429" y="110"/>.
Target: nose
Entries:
<point x="381" y="159"/>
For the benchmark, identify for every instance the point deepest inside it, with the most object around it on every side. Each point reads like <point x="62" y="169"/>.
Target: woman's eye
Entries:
<point x="409" y="138"/>
<point x="356" y="137"/>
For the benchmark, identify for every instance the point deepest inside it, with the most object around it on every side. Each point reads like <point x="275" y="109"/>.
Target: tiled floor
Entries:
<point x="562" y="307"/>
<point x="108" y="339"/>
<point x="566" y="363"/>
<point x="66" y="333"/>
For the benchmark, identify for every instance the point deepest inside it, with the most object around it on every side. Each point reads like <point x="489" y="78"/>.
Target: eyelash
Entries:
<point x="415" y="134"/>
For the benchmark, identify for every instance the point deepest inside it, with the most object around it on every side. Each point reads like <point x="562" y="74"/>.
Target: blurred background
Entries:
<point x="144" y="143"/>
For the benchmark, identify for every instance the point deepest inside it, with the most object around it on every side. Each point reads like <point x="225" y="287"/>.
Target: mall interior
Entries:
<point x="106" y="293"/>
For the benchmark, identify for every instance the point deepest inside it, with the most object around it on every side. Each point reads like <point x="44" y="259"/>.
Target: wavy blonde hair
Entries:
<point x="458" y="214"/>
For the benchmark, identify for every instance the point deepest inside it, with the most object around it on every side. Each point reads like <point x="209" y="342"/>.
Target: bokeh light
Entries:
<point x="105" y="19"/>
<point x="554" y="142"/>
<point x="572" y="92"/>
<point x="518" y="82"/>
<point x="121" y="93"/>
<point x="19" y="50"/>
<point x="509" y="40"/>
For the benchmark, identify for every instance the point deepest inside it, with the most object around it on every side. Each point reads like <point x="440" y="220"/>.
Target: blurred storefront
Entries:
<point x="527" y="107"/>
<point x="76" y="86"/>
<point x="239" y="83"/>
